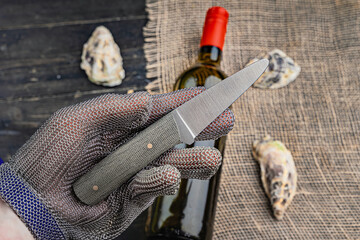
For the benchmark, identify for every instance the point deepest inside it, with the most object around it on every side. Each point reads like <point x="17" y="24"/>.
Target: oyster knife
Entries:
<point x="181" y="125"/>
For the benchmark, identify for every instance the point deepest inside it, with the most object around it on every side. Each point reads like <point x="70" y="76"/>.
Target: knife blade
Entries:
<point x="181" y="125"/>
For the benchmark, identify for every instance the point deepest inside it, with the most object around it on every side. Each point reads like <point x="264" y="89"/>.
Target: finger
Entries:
<point x="157" y="181"/>
<point x="221" y="126"/>
<point x="110" y="112"/>
<point x="114" y="111"/>
<point x="164" y="103"/>
<point x="197" y="162"/>
<point x="110" y="115"/>
<point x="108" y="120"/>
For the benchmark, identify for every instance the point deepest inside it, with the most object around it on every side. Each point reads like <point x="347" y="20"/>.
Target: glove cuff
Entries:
<point x="25" y="202"/>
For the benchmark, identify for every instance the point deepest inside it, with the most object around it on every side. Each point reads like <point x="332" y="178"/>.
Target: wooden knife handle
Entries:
<point x="126" y="161"/>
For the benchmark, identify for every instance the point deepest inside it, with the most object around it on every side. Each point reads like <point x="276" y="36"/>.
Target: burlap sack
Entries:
<point x="317" y="116"/>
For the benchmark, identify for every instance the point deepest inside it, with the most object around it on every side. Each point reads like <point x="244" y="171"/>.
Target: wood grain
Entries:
<point x="40" y="48"/>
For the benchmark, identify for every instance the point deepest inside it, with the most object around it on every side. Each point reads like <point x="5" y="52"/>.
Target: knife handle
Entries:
<point x="118" y="167"/>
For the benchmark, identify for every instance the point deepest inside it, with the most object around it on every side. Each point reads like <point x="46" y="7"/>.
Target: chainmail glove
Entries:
<point x="37" y="182"/>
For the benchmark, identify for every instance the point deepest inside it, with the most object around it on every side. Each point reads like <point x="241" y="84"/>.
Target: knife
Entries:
<point x="181" y="125"/>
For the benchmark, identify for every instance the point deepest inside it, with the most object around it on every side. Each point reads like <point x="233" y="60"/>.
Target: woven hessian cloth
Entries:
<point x="317" y="117"/>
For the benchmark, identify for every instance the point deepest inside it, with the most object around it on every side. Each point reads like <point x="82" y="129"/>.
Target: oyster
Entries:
<point x="278" y="173"/>
<point x="282" y="70"/>
<point x="101" y="59"/>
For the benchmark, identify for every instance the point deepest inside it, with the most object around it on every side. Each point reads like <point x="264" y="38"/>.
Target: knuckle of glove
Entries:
<point x="130" y="110"/>
<point x="197" y="162"/>
<point x="163" y="180"/>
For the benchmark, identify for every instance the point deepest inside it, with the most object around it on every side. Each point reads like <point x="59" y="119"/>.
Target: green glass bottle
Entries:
<point x="190" y="213"/>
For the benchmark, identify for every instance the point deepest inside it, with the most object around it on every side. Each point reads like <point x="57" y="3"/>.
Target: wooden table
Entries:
<point x="40" y="47"/>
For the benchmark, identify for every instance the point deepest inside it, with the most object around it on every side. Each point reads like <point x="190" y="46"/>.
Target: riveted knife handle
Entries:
<point x="118" y="167"/>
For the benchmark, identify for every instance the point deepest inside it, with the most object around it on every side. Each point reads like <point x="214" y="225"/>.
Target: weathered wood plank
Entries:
<point x="46" y="79"/>
<point x="20" y="14"/>
<point x="62" y="41"/>
<point x="40" y="48"/>
<point x="41" y="62"/>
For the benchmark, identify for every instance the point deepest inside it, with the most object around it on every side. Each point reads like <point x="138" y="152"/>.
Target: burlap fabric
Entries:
<point x="317" y="116"/>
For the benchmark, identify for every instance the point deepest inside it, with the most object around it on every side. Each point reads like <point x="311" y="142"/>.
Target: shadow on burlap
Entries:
<point x="317" y="116"/>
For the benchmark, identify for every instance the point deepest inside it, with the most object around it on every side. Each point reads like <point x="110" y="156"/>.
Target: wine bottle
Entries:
<point x="190" y="213"/>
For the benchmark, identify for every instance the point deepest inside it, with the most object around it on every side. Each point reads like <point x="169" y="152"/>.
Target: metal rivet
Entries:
<point x="149" y="145"/>
<point x="95" y="188"/>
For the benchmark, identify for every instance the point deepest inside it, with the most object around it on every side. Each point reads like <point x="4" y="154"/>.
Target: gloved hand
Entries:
<point x="37" y="182"/>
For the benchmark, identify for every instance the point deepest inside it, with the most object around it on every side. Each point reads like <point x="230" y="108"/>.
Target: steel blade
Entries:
<point x="196" y="114"/>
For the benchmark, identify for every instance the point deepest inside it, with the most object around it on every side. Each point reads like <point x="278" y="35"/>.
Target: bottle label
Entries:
<point x="215" y="27"/>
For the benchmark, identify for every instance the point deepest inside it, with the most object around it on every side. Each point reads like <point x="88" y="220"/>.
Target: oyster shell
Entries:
<point x="282" y="70"/>
<point x="278" y="173"/>
<point x="101" y="59"/>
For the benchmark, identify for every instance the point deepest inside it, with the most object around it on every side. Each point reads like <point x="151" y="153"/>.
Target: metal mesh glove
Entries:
<point x="37" y="181"/>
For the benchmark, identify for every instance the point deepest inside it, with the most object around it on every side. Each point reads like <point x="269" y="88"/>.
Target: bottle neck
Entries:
<point x="210" y="55"/>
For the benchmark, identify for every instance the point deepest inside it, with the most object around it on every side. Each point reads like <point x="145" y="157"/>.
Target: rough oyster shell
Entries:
<point x="282" y="70"/>
<point x="101" y="59"/>
<point x="278" y="173"/>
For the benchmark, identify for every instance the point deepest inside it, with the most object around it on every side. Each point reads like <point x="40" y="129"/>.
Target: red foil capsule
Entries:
<point x="215" y="27"/>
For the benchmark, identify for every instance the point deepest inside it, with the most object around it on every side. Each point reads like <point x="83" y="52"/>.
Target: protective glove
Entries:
<point x="37" y="182"/>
